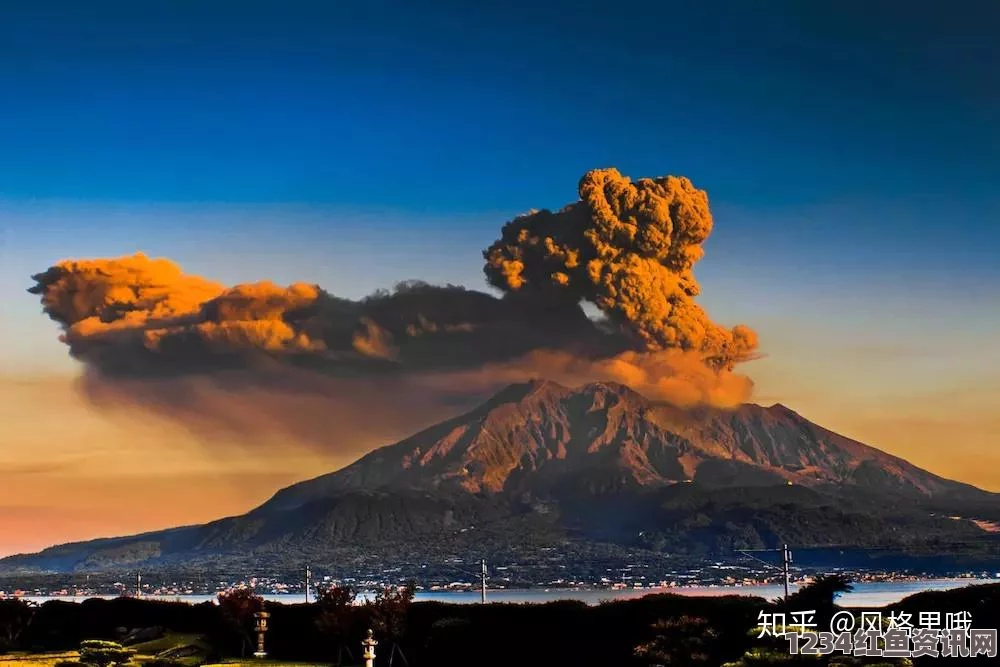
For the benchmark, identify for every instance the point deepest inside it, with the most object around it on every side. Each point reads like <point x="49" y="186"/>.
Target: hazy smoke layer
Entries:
<point x="261" y="358"/>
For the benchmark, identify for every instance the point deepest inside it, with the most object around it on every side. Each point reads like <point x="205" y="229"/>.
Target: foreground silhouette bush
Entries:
<point x="238" y="606"/>
<point x="101" y="653"/>
<point x="387" y="615"/>
<point x="338" y="620"/>
<point x="686" y="640"/>
<point x="819" y="595"/>
<point x="441" y="634"/>
<point x="15" y="617"/>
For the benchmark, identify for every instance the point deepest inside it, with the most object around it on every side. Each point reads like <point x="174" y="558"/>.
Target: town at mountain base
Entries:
<point x="597" y="469"/>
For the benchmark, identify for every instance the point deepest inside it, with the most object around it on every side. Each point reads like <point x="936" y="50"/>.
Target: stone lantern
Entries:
<point x="261" y="617"/>
<point x="368" y="648"/>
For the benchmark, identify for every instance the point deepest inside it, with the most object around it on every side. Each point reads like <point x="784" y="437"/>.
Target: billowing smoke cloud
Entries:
<point x="297" y="360"/>
<point x="630" y="249"/>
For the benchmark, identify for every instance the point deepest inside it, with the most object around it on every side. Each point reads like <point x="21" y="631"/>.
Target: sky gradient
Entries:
<point x="850" y="152"/>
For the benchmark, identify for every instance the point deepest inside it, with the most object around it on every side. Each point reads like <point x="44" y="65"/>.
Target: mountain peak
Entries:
<point x="542" y="439"/>
<point x="518" y="391"/>
<point x="782" y="408"/>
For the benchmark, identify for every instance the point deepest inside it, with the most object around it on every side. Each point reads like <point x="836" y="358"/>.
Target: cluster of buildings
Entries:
<point x="512" y="577"/>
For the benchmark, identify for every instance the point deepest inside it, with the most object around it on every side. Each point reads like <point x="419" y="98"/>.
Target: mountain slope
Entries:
<point x="532" y="437"/>
<point x="541" y="464"/>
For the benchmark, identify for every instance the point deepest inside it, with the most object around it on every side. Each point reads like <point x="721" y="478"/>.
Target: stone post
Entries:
<point x="368" y="649"/>
<point x="261" y="617"/>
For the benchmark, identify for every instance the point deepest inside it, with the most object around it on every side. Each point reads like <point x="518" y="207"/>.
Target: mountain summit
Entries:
<point x="540" y="437"/>
<point x="540" y="463"/>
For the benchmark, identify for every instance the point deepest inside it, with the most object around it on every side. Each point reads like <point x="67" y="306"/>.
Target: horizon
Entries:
<point x="850" y="174"/>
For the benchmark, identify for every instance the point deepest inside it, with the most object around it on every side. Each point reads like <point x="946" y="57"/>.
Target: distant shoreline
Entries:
<point x="865" y="594"/>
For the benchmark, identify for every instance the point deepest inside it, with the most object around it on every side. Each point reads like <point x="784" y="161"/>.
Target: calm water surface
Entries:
<point x="873" y="594"/>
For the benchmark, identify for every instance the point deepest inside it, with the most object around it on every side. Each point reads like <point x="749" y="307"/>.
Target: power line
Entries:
<point x="987" y="542"/>
<point x="467" y="573"/>
<point x="746" y="553"/>
<point x="786" y="559"/>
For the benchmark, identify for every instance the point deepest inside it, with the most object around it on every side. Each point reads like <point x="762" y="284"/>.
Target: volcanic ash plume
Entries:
<point x="630" y="249"/>
<point x="134" y="304"/>
<point x="297" y="360"/>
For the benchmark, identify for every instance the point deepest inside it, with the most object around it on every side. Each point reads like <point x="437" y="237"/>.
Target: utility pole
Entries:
<point x="138" y="583"/>
<point x="308" y="583"/>
<point x="786" y="560"/>
<point x="484" y="582"/>
<point x="786" y="557"/>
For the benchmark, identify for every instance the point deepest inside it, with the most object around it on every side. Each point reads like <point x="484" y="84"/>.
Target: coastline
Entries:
<point x="865" y="593"/>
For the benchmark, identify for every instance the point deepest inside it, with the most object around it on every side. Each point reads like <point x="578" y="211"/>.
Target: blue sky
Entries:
<point x="841" y="137"/>
<point x="843" y="146"/>
<point x="851" y="153"/>
<point x="392" y="104"/>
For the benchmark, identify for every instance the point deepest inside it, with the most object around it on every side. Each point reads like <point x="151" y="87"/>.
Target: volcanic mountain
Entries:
<point x="543" y="464"/>
<point x="542" y="439"/>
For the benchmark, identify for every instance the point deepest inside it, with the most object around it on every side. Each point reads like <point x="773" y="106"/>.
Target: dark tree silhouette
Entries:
<point x="387" y="614"/>
<point x="15" y="617"/>
<point x="685" y="640"/>
<point x="238" y="606"/>
<point x="336" y="597"/>
<point x="819" y="595"/>
<point x="337" y="619"/>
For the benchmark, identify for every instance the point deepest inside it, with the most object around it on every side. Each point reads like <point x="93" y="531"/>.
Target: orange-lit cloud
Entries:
<point x="259" y="358"/>
<point x="630" y="249"/>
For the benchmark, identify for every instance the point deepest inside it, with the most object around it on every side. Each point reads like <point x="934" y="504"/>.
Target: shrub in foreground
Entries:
<point x="102" y="653"/>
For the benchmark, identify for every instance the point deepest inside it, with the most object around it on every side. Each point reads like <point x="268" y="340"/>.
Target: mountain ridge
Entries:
<point x="698" y="434"/>
<point x="540" y="462"/>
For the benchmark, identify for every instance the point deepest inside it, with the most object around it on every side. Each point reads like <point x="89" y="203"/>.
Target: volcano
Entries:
<point x="542" y="439"/>
<point x="597" y="465"/>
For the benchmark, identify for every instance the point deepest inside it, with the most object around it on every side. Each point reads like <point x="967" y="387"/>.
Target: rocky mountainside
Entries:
<point x="540" y="438"/>
<point x="543" y="464"/>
